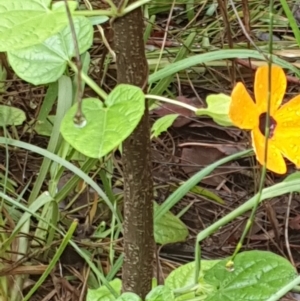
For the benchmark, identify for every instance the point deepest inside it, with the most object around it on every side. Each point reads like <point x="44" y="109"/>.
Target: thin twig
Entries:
<point x="286" y="230"/>
<point x="79" y="117"/>
<point x="245" y="31"/>
<point x="223" y="7"/>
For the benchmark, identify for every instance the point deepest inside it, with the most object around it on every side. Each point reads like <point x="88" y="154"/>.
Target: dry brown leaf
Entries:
<point x="294" y="223"/>
<point x="194" y="158"/>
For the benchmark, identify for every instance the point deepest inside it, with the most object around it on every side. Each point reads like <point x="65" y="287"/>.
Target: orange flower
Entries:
<point x="284" y="122"/>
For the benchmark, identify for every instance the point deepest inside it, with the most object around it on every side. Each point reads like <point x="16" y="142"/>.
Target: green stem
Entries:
<point x="197" y="261"/>
<point x="134" y="6"/>
<point x="89" y="81"/>
<point x="287" y="288"/>
<point x="112" y="12"/>
<point x="174" y="102"/>
<point x="92" y="13"/>
<point x="112" y="5"/>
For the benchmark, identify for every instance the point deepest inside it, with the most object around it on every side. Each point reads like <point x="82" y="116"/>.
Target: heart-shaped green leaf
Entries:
<point x="27" y="22"/>
<point x="185" y="274"/>
<point x="46" y="62"/>
<point x="256" y="276"/>
<point x="106" y="125"/>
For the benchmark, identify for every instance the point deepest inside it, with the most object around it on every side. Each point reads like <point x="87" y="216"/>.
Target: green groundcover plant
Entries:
<point x="38" y="41"/>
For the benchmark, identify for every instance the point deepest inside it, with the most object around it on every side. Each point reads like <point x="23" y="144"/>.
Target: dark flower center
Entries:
<point x="262" y="124"/>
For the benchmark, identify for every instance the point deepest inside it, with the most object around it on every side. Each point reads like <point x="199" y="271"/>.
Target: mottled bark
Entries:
<point x="138" y="192"/>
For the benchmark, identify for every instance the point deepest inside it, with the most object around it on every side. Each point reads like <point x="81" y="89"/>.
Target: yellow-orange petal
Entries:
<point x="288" y="117"/>
<point x="242" y="110"/>
<point x="287" y="131"/>
<point x="275" y="161"/>
<point x="261" y="88"/>
<point x="289" y="147"/>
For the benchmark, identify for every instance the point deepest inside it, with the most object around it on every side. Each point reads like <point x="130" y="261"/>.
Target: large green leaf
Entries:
<point x="184" y="277"/>
<point x="169" y="228"/>
<point x="256" y="276"/>
<point x="27" y="22"/>
<point x="107" y="124"/>
<point x="46" y="62"/>
<point x="185" y="274"/>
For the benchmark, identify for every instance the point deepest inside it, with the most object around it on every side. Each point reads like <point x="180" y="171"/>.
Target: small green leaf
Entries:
<point x="103" y="294"/>
<point x="160" y="293"/>
<point x="27" y="22"/>
<point x="169" y="229"/>
<point x="211" y="9"/>
<point x="217" y="109"/>
<point x="162" y="124"/>
<point x="3" y="77"/>
<point x="108" y="124"/>
<point x="7" y="185"/>
<point x="44" y="128"/>
<point x="208" y="194"/>
<point x="256" y="276"/>
<point x="129" y="297"/>
<point x="97" y="20"/>
<point x="11" y="116"/>
<point x="46" y="62"/>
